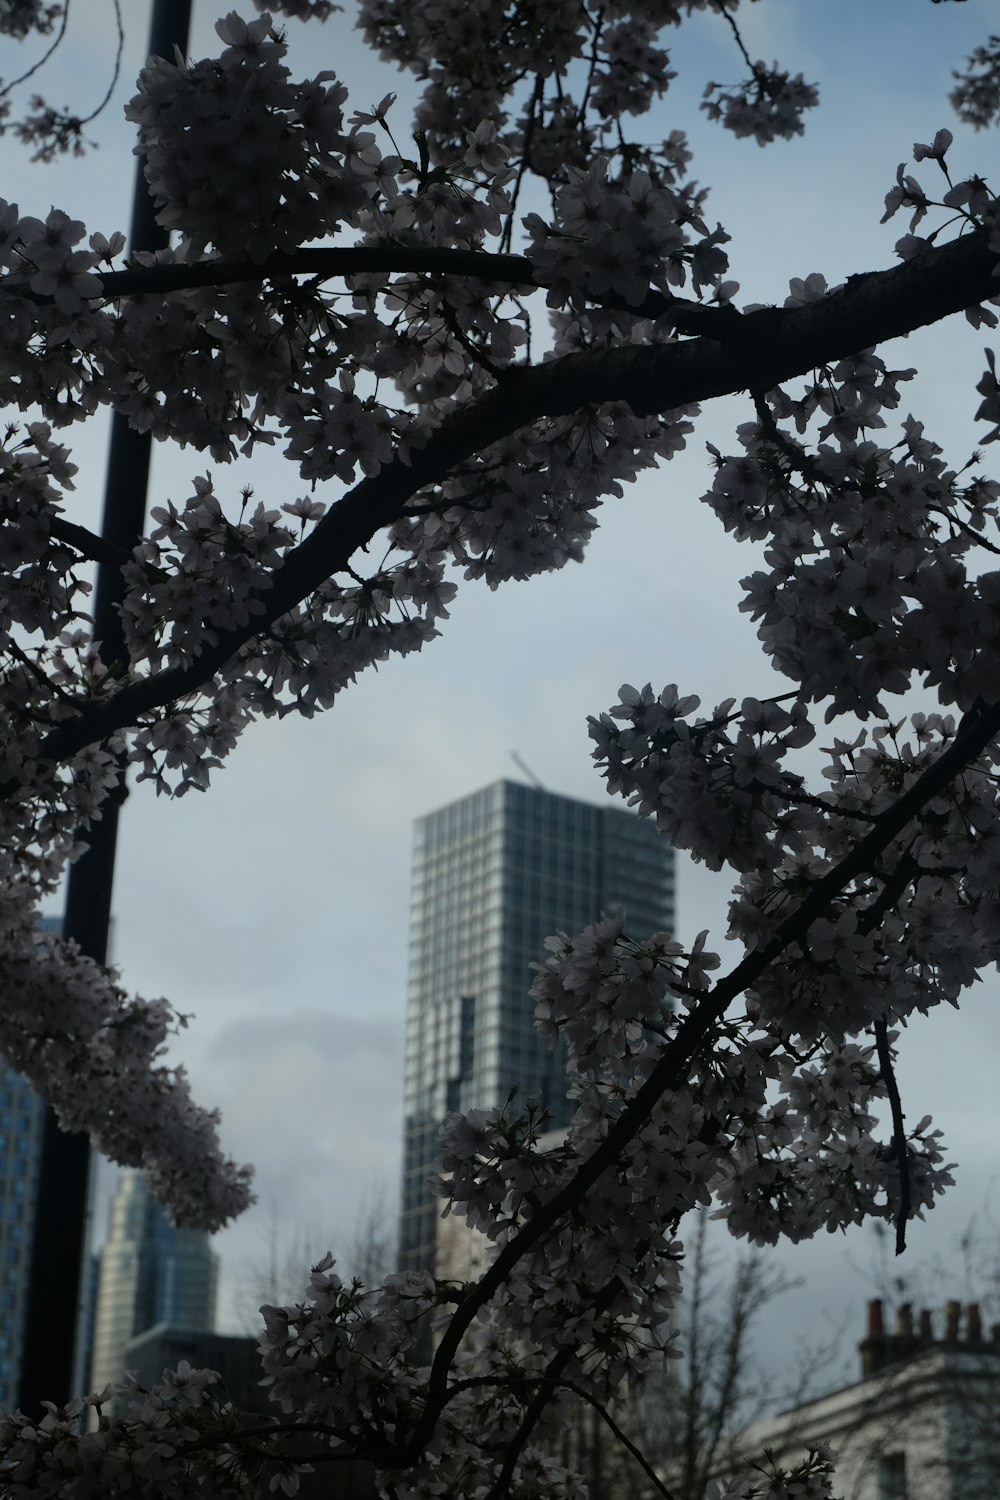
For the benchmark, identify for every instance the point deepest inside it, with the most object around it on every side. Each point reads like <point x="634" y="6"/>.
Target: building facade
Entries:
<point x="237" y="1363"/>
<point x="22" y="1114"/>
<point x="922" y="1423"/>
<point x="234" y="1359"/>
<point x="22" y="1119"/>
<point x="494" y="875"/>
<point x="150" y="1272"/>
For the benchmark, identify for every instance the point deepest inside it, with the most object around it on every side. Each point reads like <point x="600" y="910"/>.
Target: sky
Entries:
<point x="273" y="909"/>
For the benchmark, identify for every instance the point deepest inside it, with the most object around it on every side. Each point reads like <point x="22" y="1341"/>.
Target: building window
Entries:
<point x="892" y="1476"/>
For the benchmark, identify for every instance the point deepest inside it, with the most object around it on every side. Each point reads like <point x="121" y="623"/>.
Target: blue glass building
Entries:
<point x="494" y="875"/>
<point x="150" y="1272"/>
<point x="21" y="1116"/>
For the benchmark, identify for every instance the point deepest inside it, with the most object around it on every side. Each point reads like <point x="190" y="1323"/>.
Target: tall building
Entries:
<point x="493" y="876"/>
<point x="150" y="1273"/>
<point x="21" y="1116"/>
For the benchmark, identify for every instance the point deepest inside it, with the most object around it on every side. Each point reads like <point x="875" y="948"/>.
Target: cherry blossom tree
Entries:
<point x="457" y="385"/>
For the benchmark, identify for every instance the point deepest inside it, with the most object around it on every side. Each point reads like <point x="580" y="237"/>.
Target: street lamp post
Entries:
<point x="59" y="1231"/>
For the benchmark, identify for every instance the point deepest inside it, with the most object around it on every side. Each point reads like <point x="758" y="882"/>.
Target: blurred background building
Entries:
<point x="922" y="1423"/>
<point x="235" y="1360"/>
<point x="21" y="1117"/>
<point x="494" y="875"/>
<point x="150" y="1273"/>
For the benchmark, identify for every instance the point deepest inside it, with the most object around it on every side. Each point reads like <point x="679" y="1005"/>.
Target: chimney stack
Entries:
<point x="874" y="1346"/>
<point x="912" y="1336"/>
<point x="974" y="1324"/>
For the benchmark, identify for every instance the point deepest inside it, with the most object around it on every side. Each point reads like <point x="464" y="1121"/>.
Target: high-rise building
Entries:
<point x="21" y="1117"/>
<point x="150" y="1273"/>
<point x="494" y="875"/>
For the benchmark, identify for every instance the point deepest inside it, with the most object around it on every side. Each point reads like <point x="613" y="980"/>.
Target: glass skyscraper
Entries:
<point x="150" y="1273"/>
<point x="22" y="1115"/>
<point x="494" y="875"/>
<point x="22" y="1119"/>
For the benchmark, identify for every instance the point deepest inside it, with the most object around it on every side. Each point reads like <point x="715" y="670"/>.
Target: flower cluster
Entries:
<point x="44" y="251"/>
<point x="853" y="626"/>
<point x="716" y="787"/>
<point x="197" y="574"/>
<point x="268" y="167"/>
<point x="592" y="65"/>
<point x="976" y="96"/>
<point x="338" y="1357"/>
<point x="814" y="1158"/>
<point x="404" y="380"/>
<point x="97" y="1057"/>
<point x="174" y="1441"/>
<point x="769" y="105"/>
<point x="812" y="1478"/>
<point x="18" y="17"/>
<point x="621" y="238"/>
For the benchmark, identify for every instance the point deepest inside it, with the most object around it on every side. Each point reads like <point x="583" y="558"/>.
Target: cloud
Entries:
<point x="313" y="1100"/>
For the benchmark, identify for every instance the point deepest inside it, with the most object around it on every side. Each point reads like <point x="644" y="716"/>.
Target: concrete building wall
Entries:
<point x="923" y="1422"/>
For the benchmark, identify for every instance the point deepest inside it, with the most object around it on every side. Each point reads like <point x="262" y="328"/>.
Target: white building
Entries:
<point x="923" y="1422"/>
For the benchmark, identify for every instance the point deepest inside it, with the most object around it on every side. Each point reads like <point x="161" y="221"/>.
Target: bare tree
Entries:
<point x="279" y="1275"/>
<point x="715" y="1388"/>
<point x="698" y="1391"/>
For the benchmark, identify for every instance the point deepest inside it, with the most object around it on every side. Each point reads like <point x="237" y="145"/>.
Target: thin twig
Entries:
<point x="821" y="804"/>
<point x="537" y="101"/>
<point x="115" y="72"/>
<point x="974" y="536"/>
<point x="533" y="1414"/>
<point x="625" y="1441"/>
<point x="597" y="25"/>
<point x="45" y="56"/>
<point x="739" y="40"/>
<point x="37" y="672"/>
<point x="475" y="1382"/>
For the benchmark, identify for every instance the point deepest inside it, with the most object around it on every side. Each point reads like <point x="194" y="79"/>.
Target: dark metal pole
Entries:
<point x="59" y="1234"/>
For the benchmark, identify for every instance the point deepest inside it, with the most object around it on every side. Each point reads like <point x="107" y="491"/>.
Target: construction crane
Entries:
<point x="526" y="771"/>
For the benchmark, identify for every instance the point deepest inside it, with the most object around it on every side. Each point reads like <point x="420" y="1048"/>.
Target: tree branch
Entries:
<point x="562" y="1383"/>
<point x="762" y="349"/>
<point x="690" y="1036"/>
<point x="88" y="543"/>
<point x="904" y="1206"/>
<point x="515" y="271"/>
<point x="950" y="278"/>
